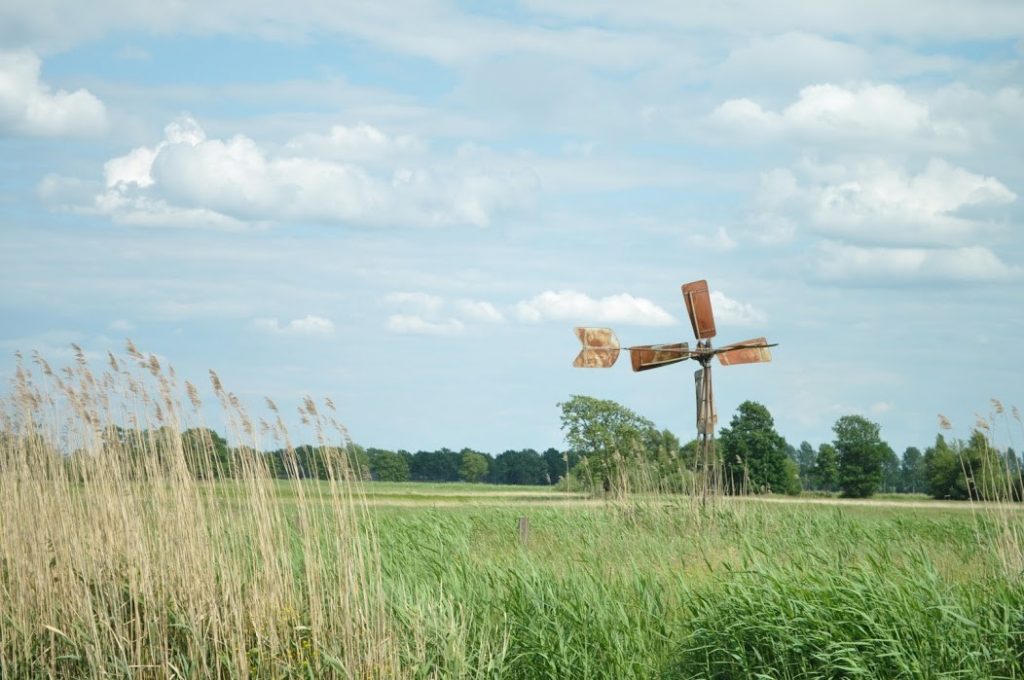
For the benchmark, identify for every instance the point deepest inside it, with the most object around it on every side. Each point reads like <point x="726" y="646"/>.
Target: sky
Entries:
<point x="408" y="206"/>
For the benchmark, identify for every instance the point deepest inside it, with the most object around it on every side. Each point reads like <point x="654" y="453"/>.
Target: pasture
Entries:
<point x="434" y="581"/>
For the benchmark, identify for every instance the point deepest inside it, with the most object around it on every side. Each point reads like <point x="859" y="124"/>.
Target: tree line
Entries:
<point x="612" y="449"/>
<point x="207" y="455"/>
<point x="523" y="466"/>
<point x="614" y="443"/>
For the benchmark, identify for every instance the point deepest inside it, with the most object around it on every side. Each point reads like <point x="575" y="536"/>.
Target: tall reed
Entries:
<point x="127" y="549"/>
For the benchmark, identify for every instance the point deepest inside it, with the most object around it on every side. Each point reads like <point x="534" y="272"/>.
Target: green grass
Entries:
<point x="734" y="592"/>
<point x="651" y="587"/>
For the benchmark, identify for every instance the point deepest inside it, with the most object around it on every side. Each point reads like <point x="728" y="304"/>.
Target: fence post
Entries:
<point x="524" y="531"/>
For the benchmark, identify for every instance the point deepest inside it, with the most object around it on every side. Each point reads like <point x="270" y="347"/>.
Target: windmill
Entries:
<point x="601" y="350"/>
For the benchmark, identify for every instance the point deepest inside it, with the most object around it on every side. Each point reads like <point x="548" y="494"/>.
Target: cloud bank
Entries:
<point x="30" y="107"/>
<point x="354" y="176"/>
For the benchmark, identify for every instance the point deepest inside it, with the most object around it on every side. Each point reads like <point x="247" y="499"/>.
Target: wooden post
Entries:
<point x="524" y="531"/>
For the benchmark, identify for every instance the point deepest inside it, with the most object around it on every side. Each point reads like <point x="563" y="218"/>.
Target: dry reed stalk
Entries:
<point x="126" y="545"/>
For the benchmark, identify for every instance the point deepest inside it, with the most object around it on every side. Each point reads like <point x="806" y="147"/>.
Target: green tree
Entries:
<point x="519" y="467"/>
<point x="826" y="468"/>
<point x="943" y="472"/>
<point x="890" y="470"/>
<point x="912" y="471"/>
<point x="357" y="460"/>
<point x="755" y="455"/>
<point x="606" y="434"/>
<point x="388" y="466"/>
<point x="559" y="463"/>
<point x="474" y="466"/>
<point x="862" y="454"/>
<point x="206" y="452"/>
<point x="806" y="458"/>
<point x="435" y="466"/>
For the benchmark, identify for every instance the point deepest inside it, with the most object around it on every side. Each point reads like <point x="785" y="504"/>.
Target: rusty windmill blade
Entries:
<point x="600" y="348"/>
<point x="698" y="307"/>
<point x="753" y="351"/>
<point x="646" y="357"/>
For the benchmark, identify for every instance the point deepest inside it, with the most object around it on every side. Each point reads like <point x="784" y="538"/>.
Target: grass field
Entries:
<point x="125" y="561"/>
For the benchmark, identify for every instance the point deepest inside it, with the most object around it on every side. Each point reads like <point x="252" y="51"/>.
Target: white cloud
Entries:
<point x="476" y="310"/>
<point x="121" y="325"/>
<point x="830" y="114"/>
<point x="410" y="324"/>
<point x="424" y="304"/>
<point x="730" y="311"/>
<point x="189" y="179"/>
<point x="424" y="314"/>
<point x="877" y="202"/>
<point x="308" y="325"/>
<point x="29" y="106"/>
<point x="841" y="263"/>
<point x="360" y="143"/>
<point x="569" y="305"/>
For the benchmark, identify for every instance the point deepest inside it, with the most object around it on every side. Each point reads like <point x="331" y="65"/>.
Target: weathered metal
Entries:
<point x="698" y="307"/>
<point x="646" y="357"/>
<point x="600" y="348"/>
<point x="705" y="402"/>
<point x="747" y="352"/>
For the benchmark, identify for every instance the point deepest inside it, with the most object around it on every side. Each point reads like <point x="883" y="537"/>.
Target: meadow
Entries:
<point x="115" y="564"/>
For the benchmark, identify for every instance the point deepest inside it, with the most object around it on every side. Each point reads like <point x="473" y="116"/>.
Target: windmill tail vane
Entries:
<point x="601" y="349"/>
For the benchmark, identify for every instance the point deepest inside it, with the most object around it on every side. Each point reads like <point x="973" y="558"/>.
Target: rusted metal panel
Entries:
<point x="646" y="357"/>
<point x="705" y="403"/>
<point x="600" y="348"/>
<point x="753" y="351"/>
<point x="698" y="307"/>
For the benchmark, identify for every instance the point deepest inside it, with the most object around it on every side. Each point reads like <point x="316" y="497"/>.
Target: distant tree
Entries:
<point x="755" y="455"/>
<point x="826" y="468"/>
<point x="794" y="486"/>
<point x="606" y="434"/>
<point x="519" y="467"/>
<point x="942" y="468"/>
<point x="388" y="466"/>
<point x="667" y="464"/>
<point x="985" y="468"/>
<point x="356" y="458"/>
<point x="1015" y="478"/>
<point x="206" y="452"/>
<point x="688" y="453"/>
<point x="861" y="456"/>
<point x="559" y="463"/>
<point x="912" y="471"/>
<point x="890" y="470"/>
<point x="435" y="466"/>
<point x="806" y="458"/>
<point x="473" y="466"/>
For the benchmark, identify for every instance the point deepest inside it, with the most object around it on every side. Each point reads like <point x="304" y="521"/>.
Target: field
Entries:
<point x="656" y="587"/>
<point x="663" y="589"/>
<point x="132" y="557"/>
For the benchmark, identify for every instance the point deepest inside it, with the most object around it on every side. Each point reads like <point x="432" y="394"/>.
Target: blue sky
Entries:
<point x="408" y="206"/>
